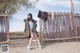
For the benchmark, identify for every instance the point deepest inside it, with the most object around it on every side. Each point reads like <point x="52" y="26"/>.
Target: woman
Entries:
<point x="32" y="29"/>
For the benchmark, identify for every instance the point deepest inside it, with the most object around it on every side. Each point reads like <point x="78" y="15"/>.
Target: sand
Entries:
<point x="65" y="47"/>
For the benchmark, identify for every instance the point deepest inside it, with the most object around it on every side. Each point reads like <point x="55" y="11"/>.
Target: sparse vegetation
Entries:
<point x="12" y="6"/>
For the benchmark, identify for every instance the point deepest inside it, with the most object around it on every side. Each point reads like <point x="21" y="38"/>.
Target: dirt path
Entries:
<point x="66" y="47"/>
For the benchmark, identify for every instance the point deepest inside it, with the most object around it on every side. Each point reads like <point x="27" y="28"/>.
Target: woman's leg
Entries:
<point x="35" y="35"/>
<point x="30" y="40"/>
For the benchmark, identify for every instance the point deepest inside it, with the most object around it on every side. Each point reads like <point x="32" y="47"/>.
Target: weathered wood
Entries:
<point x="5" y="26"/>
<point x="4" y="15"/>
<point x="61" y="38"/>
<point x="58" y="27"/>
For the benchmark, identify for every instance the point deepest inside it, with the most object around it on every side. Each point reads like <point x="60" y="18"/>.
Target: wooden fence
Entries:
<point x="58" y="27"/>
<point x="3" y="37"/>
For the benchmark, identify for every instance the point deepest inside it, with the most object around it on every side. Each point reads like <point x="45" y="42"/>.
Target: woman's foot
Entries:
<point x="28" y="47"/>
<point x="40" y="47"/>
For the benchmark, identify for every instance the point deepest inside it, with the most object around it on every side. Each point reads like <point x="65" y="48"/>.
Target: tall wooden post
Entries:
<point x="72" y="15"/>
<point x="7" y="27"/>
<point x="72" y="21"/>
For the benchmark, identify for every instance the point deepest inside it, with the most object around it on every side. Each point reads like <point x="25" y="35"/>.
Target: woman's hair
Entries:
<point x="31" y="18"/>
<point x="30" y="15"/>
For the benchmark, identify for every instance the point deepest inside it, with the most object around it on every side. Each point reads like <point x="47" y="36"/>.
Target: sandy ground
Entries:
<point x="66" y="47"/>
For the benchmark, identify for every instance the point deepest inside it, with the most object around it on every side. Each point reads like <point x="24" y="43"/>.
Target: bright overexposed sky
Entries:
<point x="17" y="21"/>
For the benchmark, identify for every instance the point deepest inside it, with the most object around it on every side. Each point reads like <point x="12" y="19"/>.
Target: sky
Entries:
<point x="17" y="22"/>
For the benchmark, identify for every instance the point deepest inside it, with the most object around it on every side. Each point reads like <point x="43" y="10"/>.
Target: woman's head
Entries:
<point x="29" y="16"/>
